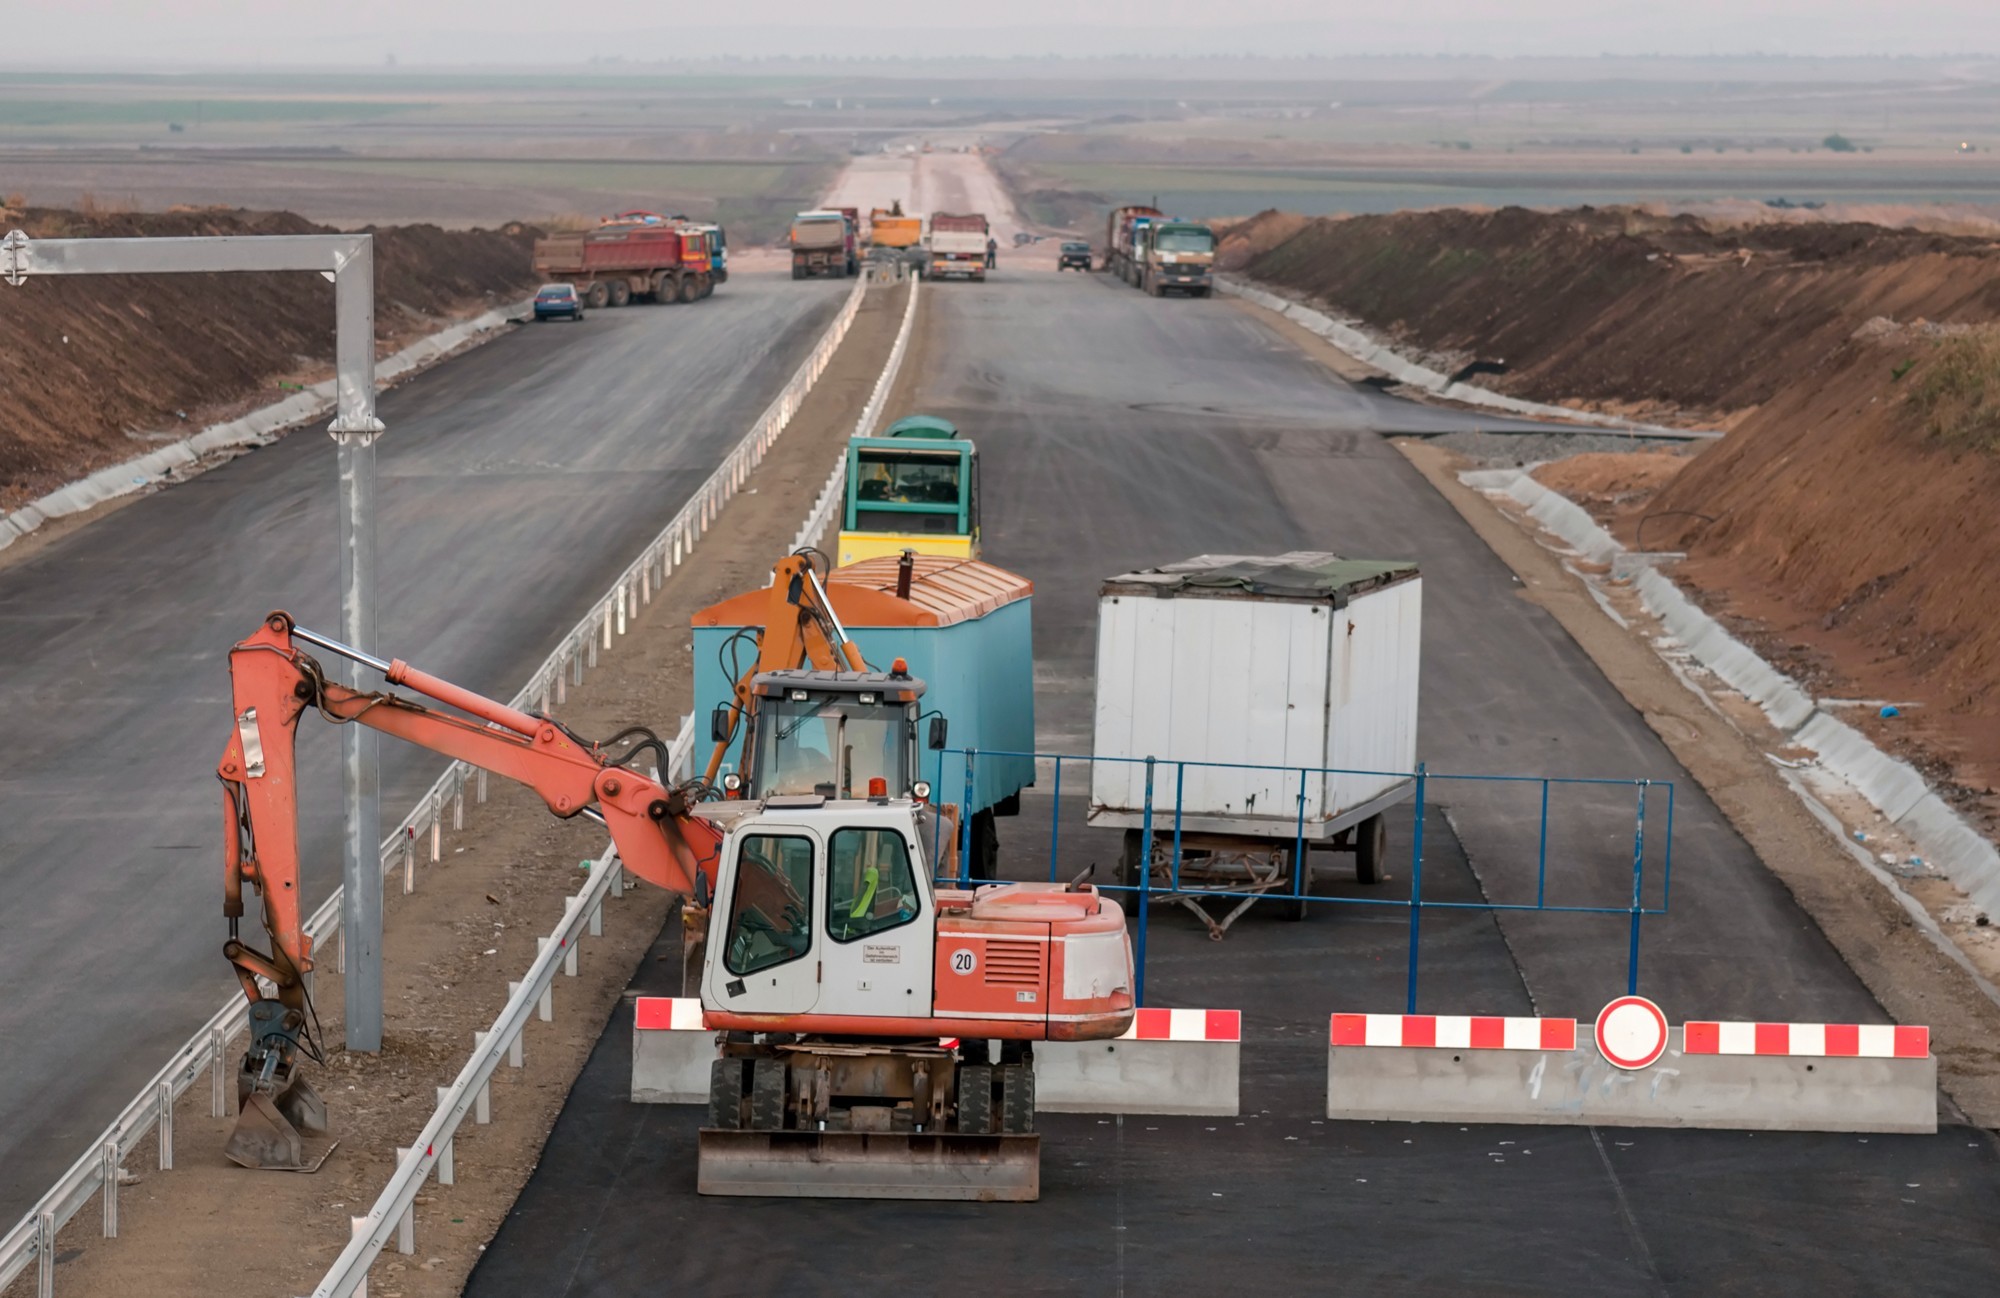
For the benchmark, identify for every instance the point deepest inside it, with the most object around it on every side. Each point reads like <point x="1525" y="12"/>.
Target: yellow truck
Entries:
<point x="889" y="228"/>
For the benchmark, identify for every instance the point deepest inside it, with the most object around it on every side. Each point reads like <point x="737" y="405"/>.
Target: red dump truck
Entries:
<point x="1121" y="236"/>
<point x="640" y="255"/>
<point x="957" y="245"/>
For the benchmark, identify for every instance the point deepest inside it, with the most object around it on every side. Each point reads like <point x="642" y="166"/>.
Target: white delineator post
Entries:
<point x="349" y="261"/>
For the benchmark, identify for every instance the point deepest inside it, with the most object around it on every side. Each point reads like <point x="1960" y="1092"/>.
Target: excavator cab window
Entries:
<point x="870" y="887"/>
<point x="770" y="913"/>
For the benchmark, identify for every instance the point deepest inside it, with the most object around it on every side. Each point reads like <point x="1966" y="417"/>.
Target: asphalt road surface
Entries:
<point x="1117" y="432"/>
<point x="515" y="483"/>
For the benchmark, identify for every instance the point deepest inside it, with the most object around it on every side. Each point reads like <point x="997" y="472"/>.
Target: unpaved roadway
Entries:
<point x="515" y="483"/>
<point x="1118" y="431"/>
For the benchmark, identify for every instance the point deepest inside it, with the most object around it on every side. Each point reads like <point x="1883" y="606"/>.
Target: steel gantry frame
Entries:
<point x="349" y="261"/>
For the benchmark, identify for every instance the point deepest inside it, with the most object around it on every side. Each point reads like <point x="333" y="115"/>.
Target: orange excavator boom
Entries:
<point x="800" y="630"/>
<point x="273" y="682"/>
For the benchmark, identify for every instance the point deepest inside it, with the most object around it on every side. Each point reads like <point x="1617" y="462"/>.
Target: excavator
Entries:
<point x="856" y="1000"/>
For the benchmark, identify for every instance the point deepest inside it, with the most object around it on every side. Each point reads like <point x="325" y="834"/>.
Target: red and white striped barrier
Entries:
<point x="1168" y="1061"/>
<point x="1453" y="1031"/>
<point x="671" y="1051"/>
<point x="1185" y="1025"/>
<point x="667" y="1014"/>
<point x="1817" y="1040"/>
<point x="1631" y="1070"/>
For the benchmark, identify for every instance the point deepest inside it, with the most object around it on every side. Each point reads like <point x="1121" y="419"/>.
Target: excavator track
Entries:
<point x="774" y="1131"/>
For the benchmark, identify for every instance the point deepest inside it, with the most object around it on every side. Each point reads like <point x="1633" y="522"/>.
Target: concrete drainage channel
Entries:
<point x="1368" y="351"/>
<point x="258" y="428"/>
<point x="1892" y="787"/>
<point x="96" y="1173"/>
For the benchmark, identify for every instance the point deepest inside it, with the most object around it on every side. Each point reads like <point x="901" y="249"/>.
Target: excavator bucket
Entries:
<point x="870" y="1165"/>
<point x="264" y="1139"/>
<point x="269" y="1129"/>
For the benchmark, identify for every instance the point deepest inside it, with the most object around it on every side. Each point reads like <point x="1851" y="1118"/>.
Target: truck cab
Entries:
<point x="1176" y="257"/>
<point x="916" y="487"/>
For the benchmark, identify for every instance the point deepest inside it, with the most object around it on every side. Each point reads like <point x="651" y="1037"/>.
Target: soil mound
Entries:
<point x="1241" y="242"/>
<point x="1630" y="306"/>
<point x="99" y="369"/>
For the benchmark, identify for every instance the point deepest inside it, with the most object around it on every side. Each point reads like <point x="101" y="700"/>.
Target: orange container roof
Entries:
<point x="943" y="591"/>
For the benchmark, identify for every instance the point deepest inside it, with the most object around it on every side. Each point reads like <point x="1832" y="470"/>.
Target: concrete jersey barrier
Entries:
<point x="671" y="1051"/>
<point x="1729" y="1076"/>
<point x="1169" y="1061"/>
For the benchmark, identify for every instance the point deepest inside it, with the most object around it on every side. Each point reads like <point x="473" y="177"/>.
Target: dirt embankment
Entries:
<point x="98" y="369"/>
<point x="1620" y="308"/>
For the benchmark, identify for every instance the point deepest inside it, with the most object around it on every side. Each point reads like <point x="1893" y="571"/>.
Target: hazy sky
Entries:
<point x="297" y="31"/>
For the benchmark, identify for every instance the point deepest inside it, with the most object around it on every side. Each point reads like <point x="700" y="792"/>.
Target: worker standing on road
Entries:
<point x="992" y="252"/>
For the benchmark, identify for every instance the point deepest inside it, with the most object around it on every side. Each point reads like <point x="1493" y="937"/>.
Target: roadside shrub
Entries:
<point x="1958" y="392"/>
<point x="1838" y="143"/>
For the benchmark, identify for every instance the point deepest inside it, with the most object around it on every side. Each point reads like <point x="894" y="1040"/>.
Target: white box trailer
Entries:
<point x="1295" y="662"/>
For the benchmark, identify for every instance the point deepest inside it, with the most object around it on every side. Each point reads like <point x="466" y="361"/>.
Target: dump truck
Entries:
<point x="1121" y="229"/>
<point x="718" y="242"/>
<point x="915" y="487"/>
<point x="1258" y="668"/>
<point x="957" y="245"/>
<point x="961" y="628"/>
<point x="823" y="244"/>
<point x="1175" y="257"/>
<point x="633" y="256"/>
<point x="888" y="227"/>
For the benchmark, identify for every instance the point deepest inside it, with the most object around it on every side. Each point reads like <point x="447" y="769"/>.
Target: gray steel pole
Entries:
<point x="349" y="261"/>
<point x="354" y="430"/>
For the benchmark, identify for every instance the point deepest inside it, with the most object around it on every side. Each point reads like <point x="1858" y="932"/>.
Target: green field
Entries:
<point x="36" y="112"/>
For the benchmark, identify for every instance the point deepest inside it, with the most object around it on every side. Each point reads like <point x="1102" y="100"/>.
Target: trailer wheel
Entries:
<point x="767" y="1094"/>
<point x="1017" y="1098"/>
<point x="597" y="296"/>
<point x="798" y="271"/>
<point x="975" y="1099"/>
<point x="1371" y="847"/>
<point x="621" y="292"/>
<point x="725" y="1094"/>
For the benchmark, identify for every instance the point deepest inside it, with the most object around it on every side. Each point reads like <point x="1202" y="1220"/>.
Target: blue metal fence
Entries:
<point x="1422" y="784"/>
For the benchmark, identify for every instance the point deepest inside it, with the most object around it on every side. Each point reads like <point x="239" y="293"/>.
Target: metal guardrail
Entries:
<point x="831" y="495"/>
<point x="32" y="1240"/>
<point x="395" y="1208"/>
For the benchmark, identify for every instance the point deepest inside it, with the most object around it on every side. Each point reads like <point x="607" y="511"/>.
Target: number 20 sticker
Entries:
<point x="963" y="961"/>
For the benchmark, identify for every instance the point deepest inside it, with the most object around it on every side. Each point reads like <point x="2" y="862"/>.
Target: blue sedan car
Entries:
<point x="553" y="300"/>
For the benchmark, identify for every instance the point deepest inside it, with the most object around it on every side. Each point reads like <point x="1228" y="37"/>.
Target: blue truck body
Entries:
<point x="978" y="672"/>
